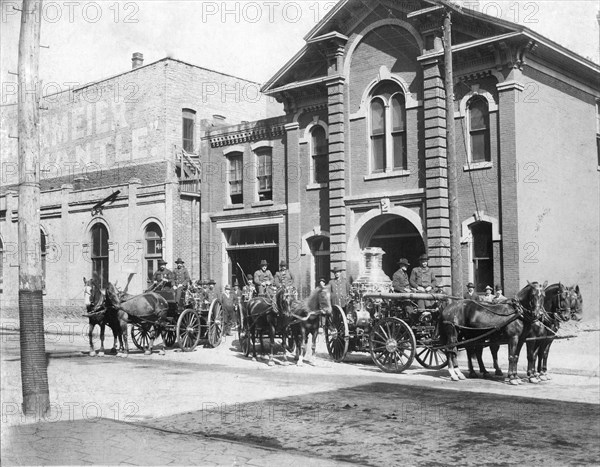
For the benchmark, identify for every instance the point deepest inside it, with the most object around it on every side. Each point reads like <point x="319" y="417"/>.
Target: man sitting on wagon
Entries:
<point x="162" y="278"/>
<point x="264" y="283"/>
<point x="401" y="284"/>
<point x="181" y="278"/>
<point x="423" y="280"/>
<point x="283" y="277"/>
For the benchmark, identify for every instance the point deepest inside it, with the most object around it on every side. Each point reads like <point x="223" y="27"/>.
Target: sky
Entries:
<point x="92" y="40"/>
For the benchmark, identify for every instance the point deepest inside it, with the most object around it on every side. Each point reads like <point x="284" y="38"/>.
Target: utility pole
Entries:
<point x="456" y="269"/>
<point x="34" y="371"/>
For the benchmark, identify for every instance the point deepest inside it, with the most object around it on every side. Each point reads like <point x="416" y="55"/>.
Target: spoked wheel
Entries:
<point x="141" y="334"/>
<point x="431" y="359"/>
<point x="392" y="344"/>
<point x="337" y="334"/>
<point x="215" y="323"/>
<point x="169" y="337"/>
<point x="188" y="330"/>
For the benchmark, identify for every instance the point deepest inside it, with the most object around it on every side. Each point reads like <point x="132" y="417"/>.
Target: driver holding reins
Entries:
<point x="423" y="279"/>
<point x="163" y="277"/>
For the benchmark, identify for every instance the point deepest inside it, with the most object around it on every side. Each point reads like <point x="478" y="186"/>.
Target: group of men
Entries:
<point x="489" y="297"/>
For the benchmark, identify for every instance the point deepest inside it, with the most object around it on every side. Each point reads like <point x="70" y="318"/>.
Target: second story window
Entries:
<point x="319" y="151"/>
<point x="264" y="174"/>
<point x="479" y="130"/>
<point x="189" y="121"/>
<point x="387" y="128"/>
<point x="236" y="178"/>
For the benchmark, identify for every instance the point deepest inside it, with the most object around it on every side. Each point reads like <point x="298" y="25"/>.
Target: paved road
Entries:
<point x="348" y="412"/>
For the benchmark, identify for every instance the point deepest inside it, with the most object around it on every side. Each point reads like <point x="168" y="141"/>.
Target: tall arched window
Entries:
<point x="387" y="123"/>
<point x="319" y="151"/>
<point x="43" y="257"/>
<point x="264" y="174"/>
<point x="153" y="250"/>
<point x="479" y="129"/>
<point x="100" y="254"/>
<point x="483" y="255"/>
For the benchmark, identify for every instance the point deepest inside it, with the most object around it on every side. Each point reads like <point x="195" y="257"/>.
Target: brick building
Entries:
<point x="136" y="135"/>
<point x="359" y="158"/>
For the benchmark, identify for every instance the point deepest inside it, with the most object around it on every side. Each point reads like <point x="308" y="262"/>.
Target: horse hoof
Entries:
<point x="299" y="363"/>
<point x="161" y="352"/>
<point x="124" y="355"/>
<point x="271" y="363"/>
<point x="147" y="352"/>
<point x="534" y="379"/>
<point x="100" y="354"/>
<point x="253" y="359"/>
<point x="499" y="373"/>
<point x="548" y="377"/>
<point x="514" y="382"/>
<point x="453" y="377"/>
<point x="92" y="353"/>
<point x="542" y="378"/>
<point x="460" y="375"/>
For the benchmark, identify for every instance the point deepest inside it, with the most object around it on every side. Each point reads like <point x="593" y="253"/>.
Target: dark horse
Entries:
<point x="93" y="295"/>
<point x="307" y="317"/>
<point x="261" y="315"/>
<point x="147" y="308"/>
<point x="510" y="321"/>
<point x="560" y="305"/>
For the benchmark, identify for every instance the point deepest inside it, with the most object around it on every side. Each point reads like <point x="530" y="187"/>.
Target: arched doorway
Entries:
<point x="397" y="236"/>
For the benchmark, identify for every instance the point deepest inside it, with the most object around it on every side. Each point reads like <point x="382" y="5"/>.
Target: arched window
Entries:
<point x="236" y="177"/>
<point x="479" y="129"/>
<point x="387" y="120"/>
<point x="154" y="249"/>
<point x="100" y="254"/>
<point x="264" y="173"/>
<point x="319" y="151"/>
<point x="483" y="255"/>
<point x="43" y="257"/>
<point x="319" y="247"/>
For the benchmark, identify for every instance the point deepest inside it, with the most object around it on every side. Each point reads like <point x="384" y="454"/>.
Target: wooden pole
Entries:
<point x="34" y="372"/>
<point x="456" y="269"/>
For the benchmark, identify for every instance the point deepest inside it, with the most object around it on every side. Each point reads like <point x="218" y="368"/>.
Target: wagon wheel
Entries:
<point x="337" y="334"/>
<point x="141" y="334"/>
<point x="243" y="332"/>
<point x="431" y="358"/>
<point x="169" y="337"/>
<point x="392" y="345"/>
<point x="188" y="330"/>
<point x="215" y="323"/>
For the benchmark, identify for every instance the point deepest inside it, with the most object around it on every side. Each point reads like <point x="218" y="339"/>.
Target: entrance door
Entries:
<point x="483" y="255"/>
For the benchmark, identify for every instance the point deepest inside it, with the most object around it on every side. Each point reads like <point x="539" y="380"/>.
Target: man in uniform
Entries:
<point x="227" y="301"/>
<point x="283" y="277"/>
<point x="162" y="278"/>
<point x="182" y="279"/>
<point x="423" y="279"/>
<point x="340" y="289"/>
<point x="211" y="293"/>
<point x="263" y="278"/>
<point x="400" y="281"/>
<point x="498" y="296"/>
<point x="470" y="294"/>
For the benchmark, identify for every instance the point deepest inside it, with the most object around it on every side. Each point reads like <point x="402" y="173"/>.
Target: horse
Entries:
<point x="560" y="305"/>
<point x="477" y="352"/>
<point x="307" y="316"/>
<point x="93" y="295"/>
<point x="511" y="320"/>
<point x="146" y="308"/>
<point x="260" y="314"/>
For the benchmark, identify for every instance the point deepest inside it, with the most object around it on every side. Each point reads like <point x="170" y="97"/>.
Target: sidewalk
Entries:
<point x="108" y="442"/>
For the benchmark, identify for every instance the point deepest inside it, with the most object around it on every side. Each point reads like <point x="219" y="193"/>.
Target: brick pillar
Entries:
<point x="68" y="262"/>
<point x="293" y="240"/>
<point x="337" y="172"/>
<point x="508" y="93"/>
<point x="436" y="177"/>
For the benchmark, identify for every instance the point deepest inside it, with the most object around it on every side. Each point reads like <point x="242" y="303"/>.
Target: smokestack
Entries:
<point x="137" y="60"/>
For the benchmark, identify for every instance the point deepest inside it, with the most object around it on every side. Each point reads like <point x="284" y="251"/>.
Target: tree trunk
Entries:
<point x="34" y="373"/>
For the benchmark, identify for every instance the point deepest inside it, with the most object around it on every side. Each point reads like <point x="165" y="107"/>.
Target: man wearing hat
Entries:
<point x="263" y="278"/>
<point x="162" y="278"/>
<point x="400" y="281"/>
<point x="488" y="297"/>
<point x="340" y="289"/>
<point x="227" y="301"/>
<point x="470" y="294"/>
<point x="249" y="289"/>
<point x="181" y="278"/>
<point x="283" y="277"/>
<point x="498" y="296"/>
<point x="423" y="279"/>
<point x="211" y="293"/>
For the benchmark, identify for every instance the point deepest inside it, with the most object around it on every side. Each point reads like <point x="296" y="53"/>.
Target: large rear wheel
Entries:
<point x="337" y="334"/>
<point x="188" y="330"/>
<point x="392" y="345"/>
<point x="215" y="323"/>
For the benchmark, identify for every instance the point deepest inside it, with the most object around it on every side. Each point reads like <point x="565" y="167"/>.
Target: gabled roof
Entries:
<point x="286" y="78"/>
